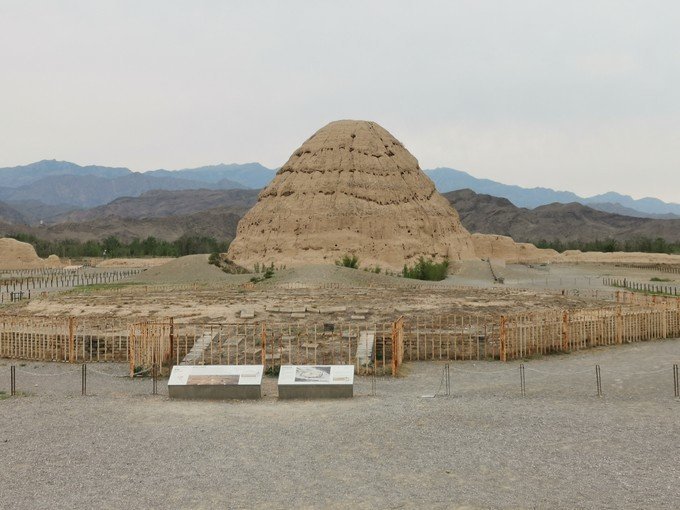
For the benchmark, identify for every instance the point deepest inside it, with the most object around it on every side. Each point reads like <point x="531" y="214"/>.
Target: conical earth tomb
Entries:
<point x="351" y="188"/>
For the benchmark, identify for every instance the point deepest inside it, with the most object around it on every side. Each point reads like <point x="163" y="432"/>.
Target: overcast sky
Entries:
<point x="578" y="95"/>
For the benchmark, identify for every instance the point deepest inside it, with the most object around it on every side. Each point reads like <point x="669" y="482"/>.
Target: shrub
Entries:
<point x="426" y="270"/>
<point x="215" y="259"/>
<point x="268" y="273"/>
<point x="348" y="261"/>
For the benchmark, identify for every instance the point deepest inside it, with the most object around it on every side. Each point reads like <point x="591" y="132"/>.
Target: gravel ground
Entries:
<point x="484" y="447"/>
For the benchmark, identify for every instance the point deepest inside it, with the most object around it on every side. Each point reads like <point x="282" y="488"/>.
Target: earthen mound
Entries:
<point x="493" y="247"/>
<point x="352" y="188"/>
<point x="17" y="255"/>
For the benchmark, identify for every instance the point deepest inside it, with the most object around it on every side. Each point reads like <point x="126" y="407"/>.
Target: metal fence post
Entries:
<point x="83" y="380"/>
<point x="12" y="380"/>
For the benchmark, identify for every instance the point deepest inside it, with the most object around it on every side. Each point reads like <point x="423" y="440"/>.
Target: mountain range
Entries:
<point x="48" y="191"/>
<point x="70" y="186"/>
<point x="449" y="179"/>
<point x="487" y="214"/>
<point x="170" y="214"/>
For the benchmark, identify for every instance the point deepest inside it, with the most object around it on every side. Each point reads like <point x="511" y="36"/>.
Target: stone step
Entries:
<point x="365" y="345"/>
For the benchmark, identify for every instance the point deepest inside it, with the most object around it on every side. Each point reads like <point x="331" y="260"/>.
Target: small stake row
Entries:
<point x="83" y="380"/>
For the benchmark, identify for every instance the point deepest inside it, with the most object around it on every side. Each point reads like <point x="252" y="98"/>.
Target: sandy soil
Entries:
<point x="483" y="447"/>
<point x="190" y="288"/>
<point x="133" y="262"/>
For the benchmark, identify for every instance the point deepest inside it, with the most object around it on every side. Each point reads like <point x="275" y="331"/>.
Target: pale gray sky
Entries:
<point x="577" y="95"/>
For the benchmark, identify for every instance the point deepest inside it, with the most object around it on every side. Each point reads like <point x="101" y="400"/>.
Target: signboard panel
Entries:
<point x="216" y="381"/>
<point x="316" y="381"/>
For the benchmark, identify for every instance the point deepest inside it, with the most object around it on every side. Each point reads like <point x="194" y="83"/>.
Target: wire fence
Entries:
<point x="520" y="380"/>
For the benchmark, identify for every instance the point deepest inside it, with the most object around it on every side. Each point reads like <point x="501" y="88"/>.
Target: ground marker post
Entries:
<point x="598" y="380"/>
<point x="154" y="377"/>
<point x="12" y="380"/>
<point x="522" y="380"/>
<point x="447" y="368"/>
<point x="83" y="379"/>
<point x="676" y="381"/>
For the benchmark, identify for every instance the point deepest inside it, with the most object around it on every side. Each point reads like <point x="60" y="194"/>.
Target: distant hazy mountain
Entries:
<point x="47" y="188"/>
<point x="448" y="179"/>
<point x="646" y="205"/>
<point x="9" y="214"/>
<point x="14" y="177"/>
<point x="568" y="222"/>
<point x="218" y="222"/>
<point x="39" y="187"/>
<point x="627" y="211"/>
<point x="34" y="211"/>
<point x="170" y="214"/>
<point x="250" y="175"/>
<point x="91" y="190"/>
<point x="162" y="203"/>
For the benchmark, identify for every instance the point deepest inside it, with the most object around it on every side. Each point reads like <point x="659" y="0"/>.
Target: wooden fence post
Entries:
<point x="172" y="343"/>
<point x="503" y="338"/>
<point x="565" y="331"/>
<point x="397" y="344"/>
<point x="71" y="339"/>
<point x="264" y="346"/>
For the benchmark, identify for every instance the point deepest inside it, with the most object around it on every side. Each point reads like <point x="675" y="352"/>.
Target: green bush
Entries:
<point x="215" y="259"/>
<point x="427" y="270"/>
<point x="348" y="261"/>
<point x="268" y="273"/>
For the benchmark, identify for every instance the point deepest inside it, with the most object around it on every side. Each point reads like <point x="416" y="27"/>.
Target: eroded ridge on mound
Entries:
<point x="17" y="255"/>
<point x="350" y="188"/>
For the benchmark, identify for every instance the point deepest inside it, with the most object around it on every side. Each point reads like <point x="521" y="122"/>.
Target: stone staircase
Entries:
<point x="365" y="346"/>
<point x="199" y="347"/>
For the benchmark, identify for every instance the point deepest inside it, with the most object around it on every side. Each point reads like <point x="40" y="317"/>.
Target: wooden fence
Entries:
<point x="658" y="288"/>
<point x="451" y="337"/>
<point x="547" y="332"/>
<point x="370" y="347"/>
<point x="664" y="268"/>
<point x="66" y="339"/>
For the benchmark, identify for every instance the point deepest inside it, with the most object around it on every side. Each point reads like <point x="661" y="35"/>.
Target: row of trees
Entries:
<point x="641" y="244"/>
<point x="114" y="247"/>
<point x="189" y="245"/>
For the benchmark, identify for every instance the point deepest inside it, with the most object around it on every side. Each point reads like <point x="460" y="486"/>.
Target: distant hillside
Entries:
<point x="9" y="214"/>
<point x="41" y="190"/>
<point x="170" y="214"/>
<point x="249" y="175"/>
<point x="162" y="203"/>
<point x="13" y="177"/>
<point x="91" y="190"/>
<point x="34" y="211"/>
<point x="448" y="179"/>
<point x="567" y="222"/>
<point x="219" y="223"/>
<point x="69" y="186"/>
<point x="616" y="208"/>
